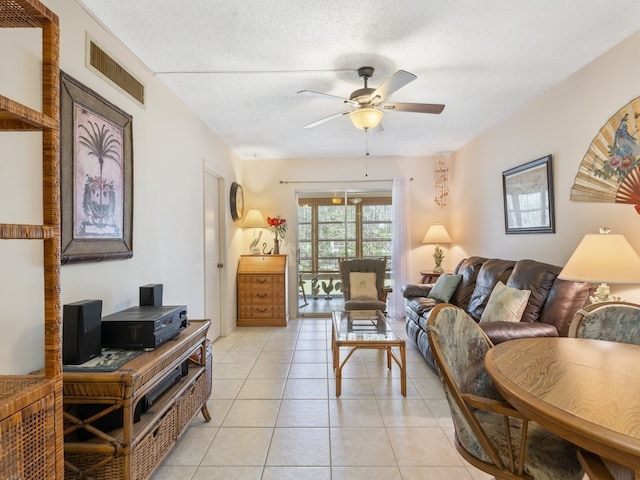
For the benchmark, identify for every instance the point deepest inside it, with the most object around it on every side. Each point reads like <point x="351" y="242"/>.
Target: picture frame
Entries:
<point x="528" y="197"/>
<point x="96" y="176"/>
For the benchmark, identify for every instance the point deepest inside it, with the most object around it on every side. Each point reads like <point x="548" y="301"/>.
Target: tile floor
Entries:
<point x="275" y="415"/>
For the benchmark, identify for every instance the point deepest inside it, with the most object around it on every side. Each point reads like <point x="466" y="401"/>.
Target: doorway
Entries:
<point x="334" y="225"/>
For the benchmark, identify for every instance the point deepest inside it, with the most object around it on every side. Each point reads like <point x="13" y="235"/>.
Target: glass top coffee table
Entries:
<point x="366" y="329"/>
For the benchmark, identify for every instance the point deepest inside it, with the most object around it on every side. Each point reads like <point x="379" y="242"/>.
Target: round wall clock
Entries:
<point x="236" y="201"/>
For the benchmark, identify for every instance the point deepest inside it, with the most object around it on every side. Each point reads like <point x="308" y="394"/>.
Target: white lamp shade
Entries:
<point x="254" y="219"/>
<point x="603" y="258"/>
<point x="366" y="118"/>
<point x="436" y="234"/>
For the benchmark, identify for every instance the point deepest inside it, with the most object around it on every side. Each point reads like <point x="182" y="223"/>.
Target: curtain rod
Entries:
<point x="338" y="181"/>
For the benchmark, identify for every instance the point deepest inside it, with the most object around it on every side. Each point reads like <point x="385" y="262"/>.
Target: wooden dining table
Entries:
<point x="586" y="391"/>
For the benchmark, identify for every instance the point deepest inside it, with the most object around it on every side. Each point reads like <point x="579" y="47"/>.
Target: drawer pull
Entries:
<point x="261" y="280"/>
<point x="261" y="310"/>
<point x="261" y="295"/>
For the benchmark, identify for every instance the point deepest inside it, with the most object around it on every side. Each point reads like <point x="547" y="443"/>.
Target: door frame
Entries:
<point x="222" y="253"/>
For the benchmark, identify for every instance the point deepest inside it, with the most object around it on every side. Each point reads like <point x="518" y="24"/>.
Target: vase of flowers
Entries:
<point x="278" y="226"/>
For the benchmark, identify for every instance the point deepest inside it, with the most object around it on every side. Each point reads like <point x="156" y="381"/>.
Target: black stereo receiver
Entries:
<point x="144" y="327"/>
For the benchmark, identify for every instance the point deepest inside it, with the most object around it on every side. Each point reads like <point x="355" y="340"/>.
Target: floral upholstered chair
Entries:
<point x="613" y="321"/>
<point x="489" y="433"/>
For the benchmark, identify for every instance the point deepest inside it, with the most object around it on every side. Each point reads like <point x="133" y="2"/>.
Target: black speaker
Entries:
<point x="81" y="339"/>
<point x="151" y="295"/>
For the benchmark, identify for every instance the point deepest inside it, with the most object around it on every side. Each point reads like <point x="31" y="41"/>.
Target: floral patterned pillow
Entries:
<point x="506" y="304"/>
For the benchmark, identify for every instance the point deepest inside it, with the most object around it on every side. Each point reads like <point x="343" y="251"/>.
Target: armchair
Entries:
<point x="489" y="433"/>
<point x="363" y="283"/>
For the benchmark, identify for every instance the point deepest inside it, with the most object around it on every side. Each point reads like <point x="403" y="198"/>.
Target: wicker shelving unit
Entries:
<point x="31" y="439"/>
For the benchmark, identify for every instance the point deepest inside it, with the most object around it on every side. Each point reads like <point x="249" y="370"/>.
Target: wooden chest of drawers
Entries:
<point x="262" y="291"/>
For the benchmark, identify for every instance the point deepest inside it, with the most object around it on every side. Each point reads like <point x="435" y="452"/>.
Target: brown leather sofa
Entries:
<point x="549" y="311"/>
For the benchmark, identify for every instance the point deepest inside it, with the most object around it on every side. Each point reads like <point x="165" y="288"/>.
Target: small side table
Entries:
<point x="429" y="276"/>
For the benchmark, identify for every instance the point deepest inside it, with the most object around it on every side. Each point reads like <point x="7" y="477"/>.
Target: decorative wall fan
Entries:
<point x="610" y="170"/>
<point x="368" y="104"/>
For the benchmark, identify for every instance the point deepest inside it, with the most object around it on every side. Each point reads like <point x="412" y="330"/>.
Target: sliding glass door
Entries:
<point x="332" y="226"/>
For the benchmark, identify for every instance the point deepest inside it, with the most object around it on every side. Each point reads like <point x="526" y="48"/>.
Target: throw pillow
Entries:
<point x="444" y="287"/>
<point x="506" y="304"/>
<point x="363" y="286"/>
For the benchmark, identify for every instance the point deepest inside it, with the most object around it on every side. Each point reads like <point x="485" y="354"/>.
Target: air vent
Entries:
<point x="101" y="62"/>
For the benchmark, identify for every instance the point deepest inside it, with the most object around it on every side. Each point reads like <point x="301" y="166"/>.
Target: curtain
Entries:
<point x="400" y="246"/>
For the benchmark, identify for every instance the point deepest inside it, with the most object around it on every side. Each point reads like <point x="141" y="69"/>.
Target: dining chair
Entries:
<point x="594" y="466"/>
<point x="489" y="433"/>
<point x="616" y="322"/>
<point x="613" y="321"/>
<point x="363" y="283"/>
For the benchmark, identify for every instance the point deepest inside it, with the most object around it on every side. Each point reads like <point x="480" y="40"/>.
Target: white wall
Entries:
<point x="562" y="123"/>
<point x="170" y="145"/>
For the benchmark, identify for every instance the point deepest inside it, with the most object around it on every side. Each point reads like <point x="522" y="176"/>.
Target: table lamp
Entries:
<point x="437" y="234"/>
<point x="603" y="258"/>
<point x="254" y="219"/>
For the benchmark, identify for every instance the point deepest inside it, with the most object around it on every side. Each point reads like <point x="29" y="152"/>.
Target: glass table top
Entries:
<point x="362" y="326"/>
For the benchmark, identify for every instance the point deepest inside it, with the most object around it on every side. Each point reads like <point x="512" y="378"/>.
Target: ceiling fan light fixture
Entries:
<point x="366" y="118"/>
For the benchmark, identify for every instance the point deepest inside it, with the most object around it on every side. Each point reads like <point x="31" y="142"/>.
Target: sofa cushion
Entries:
<point x="444" y="287"/>
<point x="421" y="305"/>
<point x="505" y="304"/>
<point x="412" y="290"/>
<point x="537" y="277"/>
<point x="500" y="331"/>
<point x="468" y="268"/>
<point x="492" y="271"/>
<point x="563" y="301"/>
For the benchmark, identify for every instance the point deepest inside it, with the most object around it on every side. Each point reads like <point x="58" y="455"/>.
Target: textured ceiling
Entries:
<point x="239" y="64"/>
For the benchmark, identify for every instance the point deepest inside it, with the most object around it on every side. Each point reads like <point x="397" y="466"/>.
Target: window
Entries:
<point x="330" y="228"/>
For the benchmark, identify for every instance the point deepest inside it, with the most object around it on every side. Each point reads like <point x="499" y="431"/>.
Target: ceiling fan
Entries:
<point x="368" y="103"/>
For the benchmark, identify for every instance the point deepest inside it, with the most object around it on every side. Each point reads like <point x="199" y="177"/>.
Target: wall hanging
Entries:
<point x="610" y="171"/>
<point x="441" y="174"/>
<point x="96" y="164"/>
<point x="528" y="197"/>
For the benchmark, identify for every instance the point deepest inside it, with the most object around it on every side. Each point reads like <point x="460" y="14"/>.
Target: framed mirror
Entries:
<point x="528" y="197"/>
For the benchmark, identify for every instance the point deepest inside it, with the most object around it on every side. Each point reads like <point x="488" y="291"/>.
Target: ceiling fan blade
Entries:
<point x="326" y="119"/>
<point x="328" y="95"/>
<point x="393" y="84"/>
<point x="414" y="107"/>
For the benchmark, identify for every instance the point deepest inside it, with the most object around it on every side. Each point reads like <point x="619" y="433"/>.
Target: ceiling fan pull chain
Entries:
<point x="366" y="152"/>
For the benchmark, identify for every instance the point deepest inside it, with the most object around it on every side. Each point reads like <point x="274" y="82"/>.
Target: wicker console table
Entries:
<point x="133" y="451"/>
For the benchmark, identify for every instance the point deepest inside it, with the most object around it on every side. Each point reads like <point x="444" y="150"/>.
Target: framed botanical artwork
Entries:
<point x="96" y="166"/>
<point x="528" y="197"/>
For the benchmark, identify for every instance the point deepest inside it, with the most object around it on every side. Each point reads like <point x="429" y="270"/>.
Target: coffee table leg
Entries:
<point x="403" y="370"/>
<point x="334" y="353"/>
<point x="338" y="372"/>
